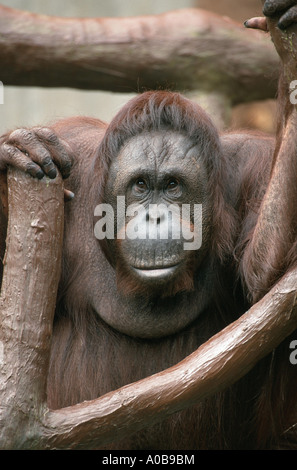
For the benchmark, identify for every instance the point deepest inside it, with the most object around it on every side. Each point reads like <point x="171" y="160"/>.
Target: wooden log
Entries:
<point x="184" y="50"/>
<point x="217" y="364"/>
<point x="27" y="302"/>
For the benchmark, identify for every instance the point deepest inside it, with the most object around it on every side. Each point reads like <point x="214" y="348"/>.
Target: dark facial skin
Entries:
<point x="156" y="168"/>
<point x="153" y="169"/>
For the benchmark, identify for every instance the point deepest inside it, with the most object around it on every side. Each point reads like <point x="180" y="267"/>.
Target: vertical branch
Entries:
<point x="27" y="302"/>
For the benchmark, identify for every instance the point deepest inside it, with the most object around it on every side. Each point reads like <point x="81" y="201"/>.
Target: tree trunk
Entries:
<point x="27" y="303"/>
<point x="184" y="50"/>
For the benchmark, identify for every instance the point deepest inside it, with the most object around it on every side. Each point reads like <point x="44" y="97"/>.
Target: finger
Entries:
<point x="271" y="7"/>
<point x="68" y="195"/>
<point x="11" y="155"/>
<point x="26" y="141"/>
<point x="288" y="18"/>
<point x="257" y="23"/>
<point x="60" y="151"/>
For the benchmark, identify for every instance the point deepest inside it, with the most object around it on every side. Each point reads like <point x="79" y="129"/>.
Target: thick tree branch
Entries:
<point x="27" y="307"/>
<point x="27" y="303"/>
<point x="186" y="50"/>
<point x="217" y="364"/>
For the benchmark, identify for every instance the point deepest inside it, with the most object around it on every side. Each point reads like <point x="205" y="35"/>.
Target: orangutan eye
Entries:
<point x="140" y="186"/>
<point x="172" y="184"/>
<point x="173" y="188"/>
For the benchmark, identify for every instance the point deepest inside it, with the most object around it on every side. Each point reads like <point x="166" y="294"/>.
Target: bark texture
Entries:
<point x="188" y="49"/>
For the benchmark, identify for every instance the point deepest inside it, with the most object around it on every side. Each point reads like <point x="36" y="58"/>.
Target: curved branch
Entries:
<point x="185" y="50"/>
<point x="27" y="307"/>
<point x="220" y="362"/>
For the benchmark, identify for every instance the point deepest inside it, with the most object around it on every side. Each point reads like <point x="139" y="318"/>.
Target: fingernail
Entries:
<point x="68" y="195"/>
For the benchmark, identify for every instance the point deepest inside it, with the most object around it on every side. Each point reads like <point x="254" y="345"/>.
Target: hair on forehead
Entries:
<point x="159" y="111"/>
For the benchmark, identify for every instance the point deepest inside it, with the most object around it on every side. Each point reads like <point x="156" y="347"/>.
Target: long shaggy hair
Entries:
<point x="161" y="111"/>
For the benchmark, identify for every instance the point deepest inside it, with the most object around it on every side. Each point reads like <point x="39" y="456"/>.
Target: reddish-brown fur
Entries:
<point x="250" y="415"/>
<point x="89" y="358"/>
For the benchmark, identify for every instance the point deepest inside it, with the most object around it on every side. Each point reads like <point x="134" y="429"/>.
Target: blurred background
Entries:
<point x="39" y="106"/>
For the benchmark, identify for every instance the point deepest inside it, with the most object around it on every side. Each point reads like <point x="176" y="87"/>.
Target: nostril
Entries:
<point x="154" y="215"/>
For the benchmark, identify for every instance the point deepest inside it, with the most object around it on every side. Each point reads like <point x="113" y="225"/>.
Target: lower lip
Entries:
<point x="155" y="273"/>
